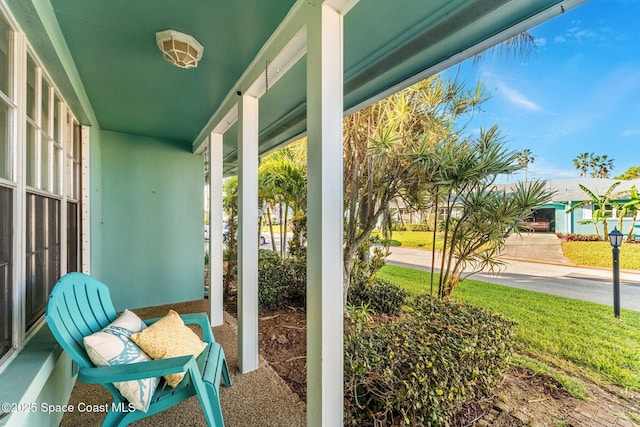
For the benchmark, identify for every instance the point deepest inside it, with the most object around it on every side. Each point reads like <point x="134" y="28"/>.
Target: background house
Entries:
<point x="567" y="194"/>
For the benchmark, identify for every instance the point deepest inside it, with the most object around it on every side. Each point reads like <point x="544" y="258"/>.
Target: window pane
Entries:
<point x="76" y="180"/>
<point x="5" y="34"/>
<point x="76" y="141"/>
<point x="68" y="136"/>
<point x="72" y="236"/>
<point x="56" y="122"/>
<point x="57" y="168"/>
<point x="44" y="162"/>
<point x="45" y="106"/>
<point x="76" y="161"/>
<point x="31" y="156"/>
<point x="6" y="258"/>
<point x="31" y="88"/>
<point x="6" y="155"/>
<point x="42" y="254"/>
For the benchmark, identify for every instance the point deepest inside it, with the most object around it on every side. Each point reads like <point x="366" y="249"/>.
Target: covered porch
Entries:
<point x="111" y="140"/>
<point x="259" y="398"/>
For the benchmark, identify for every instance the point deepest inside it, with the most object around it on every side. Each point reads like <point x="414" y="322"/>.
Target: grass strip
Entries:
<point x="598" y="254"/>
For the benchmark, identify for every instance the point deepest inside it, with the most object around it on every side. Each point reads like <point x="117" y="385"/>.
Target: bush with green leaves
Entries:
<point x="295" y="270"/>
<point x="419" y="368"/>
<point x="422" y="226"/>
<point x="382" y="296"/>
<point x="280" y="283"/>
<point x="270" y="280"/>
<point x="573" y="237"/>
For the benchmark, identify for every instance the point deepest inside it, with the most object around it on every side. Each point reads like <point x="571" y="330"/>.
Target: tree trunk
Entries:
<point x="283" y="242"/>
<point x="346" y="279"/>
<point x="273" y="240"/>
<point x="280" y="226"/>
<point x="595" y="225"/>
<point x="633" y="224"/>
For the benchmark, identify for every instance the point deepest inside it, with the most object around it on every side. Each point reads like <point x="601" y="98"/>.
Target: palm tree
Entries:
<point x="463" y="172"/>
<point x="525" y="157"/>
<point x="600" y="204"/>
<point x="602" y="166"/>
<point x="593" y="164"/>
<point x="380" y="145"/>
<point x="283" y="180"/>
<point x="582" y="162"/>
<point x="630" y="207"/>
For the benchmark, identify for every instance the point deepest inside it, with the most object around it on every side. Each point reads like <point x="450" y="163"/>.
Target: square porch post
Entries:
<point x="216" y="291"/>
<point x="247" y="234"/>
<point x="325" y="217"/>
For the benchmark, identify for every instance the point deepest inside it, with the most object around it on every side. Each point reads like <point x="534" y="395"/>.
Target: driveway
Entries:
<point x="534" y="246"/>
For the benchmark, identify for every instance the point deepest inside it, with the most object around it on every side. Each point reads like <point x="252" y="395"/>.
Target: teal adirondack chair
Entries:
<point x="80" y="305"/>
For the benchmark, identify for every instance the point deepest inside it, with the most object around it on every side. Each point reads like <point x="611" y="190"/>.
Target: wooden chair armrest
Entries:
<point x="136" y="371"/>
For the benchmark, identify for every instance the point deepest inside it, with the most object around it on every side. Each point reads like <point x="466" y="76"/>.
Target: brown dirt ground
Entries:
<point x="523" y="398"/>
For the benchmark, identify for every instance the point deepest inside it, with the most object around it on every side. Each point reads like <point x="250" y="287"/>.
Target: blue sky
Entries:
<point x="578" y="92"/>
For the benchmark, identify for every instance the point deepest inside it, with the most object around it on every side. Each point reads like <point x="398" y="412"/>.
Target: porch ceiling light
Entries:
<point x="180" y="49"/>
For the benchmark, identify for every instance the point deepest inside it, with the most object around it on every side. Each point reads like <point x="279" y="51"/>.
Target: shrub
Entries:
<point x="572" y="237"/>
<point x="382" y="296"/>
<point x="295" y="270"/>
<point x="420" y="368"/>
<point x="270" y="280"/>
<point x="280" y="283"/>
<point x="412" y="227"/>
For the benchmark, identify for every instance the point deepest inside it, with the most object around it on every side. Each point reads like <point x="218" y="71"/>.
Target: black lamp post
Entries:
<point x="615" y="238"/>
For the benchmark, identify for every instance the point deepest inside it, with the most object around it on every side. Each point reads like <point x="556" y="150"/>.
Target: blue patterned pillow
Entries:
<point x="112" y="346"/>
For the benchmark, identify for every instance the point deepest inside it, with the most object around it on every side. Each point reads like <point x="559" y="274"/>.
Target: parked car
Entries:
<point x="264" y="237"/>
<point x="535" y="225"/>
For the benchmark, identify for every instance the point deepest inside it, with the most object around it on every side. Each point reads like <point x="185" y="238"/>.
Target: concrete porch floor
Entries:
<point x="259" y="398"/>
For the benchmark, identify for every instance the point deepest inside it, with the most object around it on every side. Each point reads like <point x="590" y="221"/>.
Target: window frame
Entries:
<point x="59" y="152"/>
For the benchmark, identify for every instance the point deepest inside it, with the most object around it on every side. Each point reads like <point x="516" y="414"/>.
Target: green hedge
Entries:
<point x="420" y="368"/>
<point x="280" y="283"/>
<point x="573" y="237"/>
<point x="412" y="227"/>
<point x="381" y="296"/>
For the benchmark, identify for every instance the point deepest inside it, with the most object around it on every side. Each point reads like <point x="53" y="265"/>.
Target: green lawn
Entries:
<point x="580" y="338"/>
<point x="598" y="254"/>
<point x="415" y="239"/>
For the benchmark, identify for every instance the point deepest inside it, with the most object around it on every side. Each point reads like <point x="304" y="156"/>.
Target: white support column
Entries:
<point x="216" y="291"/>
<point x="247" y="234"/>
<point x="325" y="217"/>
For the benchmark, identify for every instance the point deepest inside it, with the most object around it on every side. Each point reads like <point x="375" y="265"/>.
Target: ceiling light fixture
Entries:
<point x="180" y="49"/>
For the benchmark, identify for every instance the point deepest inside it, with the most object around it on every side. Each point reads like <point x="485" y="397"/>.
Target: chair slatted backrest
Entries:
<point x="79" y="305"/>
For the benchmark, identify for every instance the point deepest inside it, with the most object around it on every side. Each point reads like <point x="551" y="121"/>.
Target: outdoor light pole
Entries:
<point x="615" y="238"/>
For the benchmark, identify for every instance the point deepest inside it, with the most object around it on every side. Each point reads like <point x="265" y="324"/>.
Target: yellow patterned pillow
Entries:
<point x="169" y="337"/>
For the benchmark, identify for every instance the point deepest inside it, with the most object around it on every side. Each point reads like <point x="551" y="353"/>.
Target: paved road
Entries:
<point x="588" y="284"/>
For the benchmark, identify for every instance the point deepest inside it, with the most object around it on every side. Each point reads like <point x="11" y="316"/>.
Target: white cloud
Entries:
<point x="517" y="98"/>
<point x="579" y="35"/>
<point x="543" y="169"/>
<point x="631" y="132"/>
<point x="540" y="41"/>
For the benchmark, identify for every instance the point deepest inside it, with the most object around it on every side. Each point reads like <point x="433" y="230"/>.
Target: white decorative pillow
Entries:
<point x="113" y="346"/>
